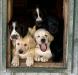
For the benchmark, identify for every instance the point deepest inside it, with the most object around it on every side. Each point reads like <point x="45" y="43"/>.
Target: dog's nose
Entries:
<point x="43" y="40"/>
<point x="20" y="51"/>
<point x="14" y="36"/>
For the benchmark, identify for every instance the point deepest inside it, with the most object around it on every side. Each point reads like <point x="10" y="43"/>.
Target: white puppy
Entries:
<point x="42" y="50"/>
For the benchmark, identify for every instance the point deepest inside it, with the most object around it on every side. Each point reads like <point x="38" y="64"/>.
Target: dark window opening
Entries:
<point x="51" y="11"/>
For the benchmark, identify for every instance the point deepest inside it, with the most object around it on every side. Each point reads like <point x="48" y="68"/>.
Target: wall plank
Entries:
<point x="0" y="35"/>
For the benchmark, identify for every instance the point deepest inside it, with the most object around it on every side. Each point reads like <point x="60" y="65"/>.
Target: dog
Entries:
<point x="24" y="49"/>
<point x="48" y="20"/>
<point x="55" y="27"/>
<point x="14" y="34"/>
<point x="43" y="39"/>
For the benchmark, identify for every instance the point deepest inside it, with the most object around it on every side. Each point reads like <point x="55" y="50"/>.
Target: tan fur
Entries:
<point x="32" y="30"/>
<point x="39" y="54"/>
<point x="28" y="51"/>
<point x="50" y="37"/>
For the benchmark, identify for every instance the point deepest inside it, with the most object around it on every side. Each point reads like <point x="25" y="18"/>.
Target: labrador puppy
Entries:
<point x="43" y="39"/>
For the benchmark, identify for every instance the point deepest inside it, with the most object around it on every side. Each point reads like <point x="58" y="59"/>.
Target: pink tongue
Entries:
<point x="43" y="47"/>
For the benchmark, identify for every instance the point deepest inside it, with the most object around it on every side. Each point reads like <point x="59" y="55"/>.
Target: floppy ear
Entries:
<point x="50" y="37"/>
<point x="32" y="30"/>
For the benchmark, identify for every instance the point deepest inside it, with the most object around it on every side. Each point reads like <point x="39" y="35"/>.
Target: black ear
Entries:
<point x="53" y="24"/>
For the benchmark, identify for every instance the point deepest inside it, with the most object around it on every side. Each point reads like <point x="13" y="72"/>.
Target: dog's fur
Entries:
<point x="24" y="49"/>
<point x="55" y="27"/>
<point x="43" y="39"/>
<point x="27" y="18"/>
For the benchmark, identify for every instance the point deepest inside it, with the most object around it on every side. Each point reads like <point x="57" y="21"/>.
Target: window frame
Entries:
<point x="69" y="38"/>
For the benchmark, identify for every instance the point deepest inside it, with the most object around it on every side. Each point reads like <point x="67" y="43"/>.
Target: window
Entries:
<point x="23" y="13"/>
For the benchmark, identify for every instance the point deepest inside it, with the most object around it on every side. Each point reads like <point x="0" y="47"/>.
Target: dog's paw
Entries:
<point x="37" y="59"/>
<point x="15" y="63"/>
<point x="29" y="62"/>
<point x="43" y="59"/>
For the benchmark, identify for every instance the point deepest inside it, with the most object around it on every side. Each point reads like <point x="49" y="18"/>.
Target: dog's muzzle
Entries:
<point x="20" y="51"/>
<point x="43" y="40"/>
<point x="14" y="36"/>
<point x="43" y="45"/>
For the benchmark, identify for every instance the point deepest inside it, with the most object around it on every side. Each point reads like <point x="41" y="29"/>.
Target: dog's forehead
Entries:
<point x="21" y="40"/>
<point x="27" y="39"/>
<point x="41" y="32"/>
<point x="18" y="40"/>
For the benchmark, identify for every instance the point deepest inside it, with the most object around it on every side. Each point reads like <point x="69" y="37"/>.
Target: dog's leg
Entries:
<point x="37" y="58"/>
<point x="15" y="61"/>
<point x="44" y="59"/>
<point x="29" y="61"/>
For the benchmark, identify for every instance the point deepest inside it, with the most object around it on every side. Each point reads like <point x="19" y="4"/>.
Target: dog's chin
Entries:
<point x="43" y="47"/>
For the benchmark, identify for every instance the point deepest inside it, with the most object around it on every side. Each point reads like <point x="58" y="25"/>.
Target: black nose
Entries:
<point x="43" y="40"/>
<point x="14" y="36"/>
<point x="20" y="51"/>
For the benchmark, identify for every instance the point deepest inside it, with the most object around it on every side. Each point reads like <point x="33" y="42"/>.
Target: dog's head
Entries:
<point x="18" y="29"/>
<point x="21" y="46"/>
<point x="43" y="38"/>
<point x="14" y="34"/>
<point x="24" y="44"/>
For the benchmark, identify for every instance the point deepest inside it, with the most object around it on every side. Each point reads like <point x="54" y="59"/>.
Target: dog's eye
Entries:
<point x="18" y="43"/>
<point x="46" y="35"/>
<point x="38" y="36"/>
<point x="25" y="44"/>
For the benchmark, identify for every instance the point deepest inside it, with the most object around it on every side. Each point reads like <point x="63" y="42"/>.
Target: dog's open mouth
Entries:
<point x="43" y="47"/>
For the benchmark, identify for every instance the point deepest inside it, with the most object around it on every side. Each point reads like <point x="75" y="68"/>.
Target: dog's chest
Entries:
<point x="23" y="56"/>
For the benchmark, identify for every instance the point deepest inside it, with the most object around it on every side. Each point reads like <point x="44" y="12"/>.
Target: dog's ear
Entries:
<point x="32" y="30"/>
<point x="50" y="37"/>
<point x="32" y="43"/>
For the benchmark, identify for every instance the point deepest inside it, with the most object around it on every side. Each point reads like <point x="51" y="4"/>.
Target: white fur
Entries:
<point x="25" y="55"/>
<point x="14" y="31"/>
<point x="38" y="16"/>
<point x="40" y="55"/>
<point x="44" y="55"/>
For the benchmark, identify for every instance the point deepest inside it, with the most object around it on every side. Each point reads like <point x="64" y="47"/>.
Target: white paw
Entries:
<point x="37" y="59"/>
<point x="29" y="62"/>
<point x="15" y="63"/>
<point x="43" y="59"/>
